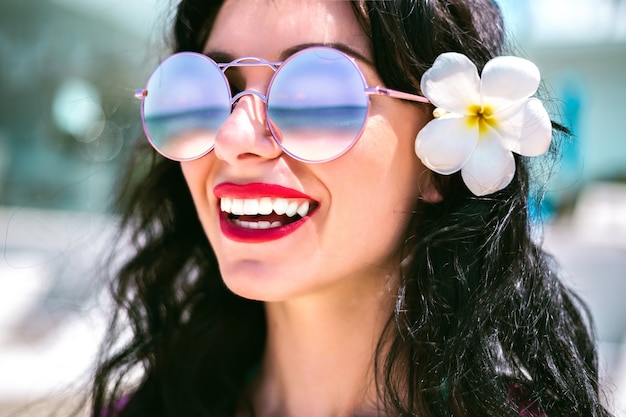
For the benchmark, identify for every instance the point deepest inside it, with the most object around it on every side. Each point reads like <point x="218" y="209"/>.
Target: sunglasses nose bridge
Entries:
<point x="256" y="112"/>
<point x="238" y="96"/>
<point x="246" y="132"/>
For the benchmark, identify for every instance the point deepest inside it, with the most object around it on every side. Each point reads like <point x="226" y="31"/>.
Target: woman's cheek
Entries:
<point x="196" y="176"/>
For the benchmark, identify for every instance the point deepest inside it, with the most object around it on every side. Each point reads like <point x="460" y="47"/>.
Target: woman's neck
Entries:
<point x="320" y="352"/>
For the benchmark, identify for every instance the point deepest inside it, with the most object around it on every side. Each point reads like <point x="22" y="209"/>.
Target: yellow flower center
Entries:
<point x="481" y="117"/>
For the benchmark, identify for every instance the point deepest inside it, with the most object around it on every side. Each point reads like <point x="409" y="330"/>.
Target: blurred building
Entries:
<point x="68" y="71"/>
<point x="580" y="48"/>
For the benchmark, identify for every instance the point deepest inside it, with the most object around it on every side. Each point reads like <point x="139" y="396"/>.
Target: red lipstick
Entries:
<point x="232" y="225"/>
<point x="256" y="190"/>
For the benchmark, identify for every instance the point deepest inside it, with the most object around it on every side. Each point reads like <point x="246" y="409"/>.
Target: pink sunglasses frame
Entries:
<point x="252" y="61"/>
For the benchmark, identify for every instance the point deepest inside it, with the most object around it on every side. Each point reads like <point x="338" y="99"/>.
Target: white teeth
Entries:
<point x="264" y="206"/>
<point x="226" y="204"/>
<point x="257" y="225"/>
<point x="280" y="206"/>
<point x="237" y="207"/>
<point x="292" y="209"/>
<point x="253" y="225"/>
<point x="250" y="207"/>
<point x="303" y="209"/>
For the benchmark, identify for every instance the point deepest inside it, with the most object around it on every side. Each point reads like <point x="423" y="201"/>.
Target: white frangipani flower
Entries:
<point x="480" y="121"/>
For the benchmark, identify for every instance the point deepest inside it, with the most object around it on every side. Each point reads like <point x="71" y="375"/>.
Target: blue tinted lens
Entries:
<point x="187" y="101"/>
<point x="316" y="104"/>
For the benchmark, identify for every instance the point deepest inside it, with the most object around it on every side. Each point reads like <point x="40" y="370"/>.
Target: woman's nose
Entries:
<point x="245" y="135"/>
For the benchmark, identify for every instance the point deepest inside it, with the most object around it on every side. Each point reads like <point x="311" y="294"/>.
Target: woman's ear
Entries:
<point x="428" y="189"/>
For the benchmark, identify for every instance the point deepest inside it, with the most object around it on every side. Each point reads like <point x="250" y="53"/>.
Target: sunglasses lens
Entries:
<point x="187" y="101"/>
<point x="316" y="105"/>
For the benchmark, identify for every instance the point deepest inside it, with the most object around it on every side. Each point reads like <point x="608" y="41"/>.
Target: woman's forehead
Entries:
<point x="268" y="28"/>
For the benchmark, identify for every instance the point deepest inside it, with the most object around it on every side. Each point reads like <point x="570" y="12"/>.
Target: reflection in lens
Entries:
<point x="317" y="105"/>
<point x="188" y="100"/>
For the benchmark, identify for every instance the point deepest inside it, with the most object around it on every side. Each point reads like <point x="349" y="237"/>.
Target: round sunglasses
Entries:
<point x="316" y="103"/>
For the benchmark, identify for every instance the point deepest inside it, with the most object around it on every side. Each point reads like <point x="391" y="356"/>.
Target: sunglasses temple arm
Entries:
<point x="381" y="91"/>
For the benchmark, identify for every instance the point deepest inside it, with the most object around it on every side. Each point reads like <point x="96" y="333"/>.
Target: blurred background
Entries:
<point x="68" y="70"/>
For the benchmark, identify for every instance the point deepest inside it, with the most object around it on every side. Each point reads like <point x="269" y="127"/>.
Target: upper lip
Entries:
<point x="257" y="190"/>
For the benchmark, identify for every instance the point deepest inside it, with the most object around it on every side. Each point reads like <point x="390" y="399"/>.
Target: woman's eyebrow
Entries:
<point x="286" y="53"/>
<point x="222" y="57"/>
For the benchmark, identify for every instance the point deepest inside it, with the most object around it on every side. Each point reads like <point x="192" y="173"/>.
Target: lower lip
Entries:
<point x="240" y="234"/>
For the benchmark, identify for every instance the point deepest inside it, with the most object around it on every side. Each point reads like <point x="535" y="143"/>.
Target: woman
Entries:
<point x="359" y="262"/>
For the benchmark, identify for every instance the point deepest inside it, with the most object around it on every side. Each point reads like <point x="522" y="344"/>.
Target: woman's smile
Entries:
<point x="258" y="212"/>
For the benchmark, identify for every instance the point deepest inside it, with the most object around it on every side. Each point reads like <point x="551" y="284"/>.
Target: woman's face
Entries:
<point x="359" y="204"/>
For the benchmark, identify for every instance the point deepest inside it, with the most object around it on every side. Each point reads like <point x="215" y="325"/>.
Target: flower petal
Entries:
<point x="525" y="129"/>
<point x="452" y="83"/>
<point x="507" y="79"/>
<point x="491" y="167"/>
<point x="445" y="144"/>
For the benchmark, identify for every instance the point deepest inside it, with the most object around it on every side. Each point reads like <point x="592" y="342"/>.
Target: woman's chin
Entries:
<point x="257" y="283"/>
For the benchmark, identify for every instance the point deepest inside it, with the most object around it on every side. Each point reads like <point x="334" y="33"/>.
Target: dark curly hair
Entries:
<point x="482" y="325"/>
